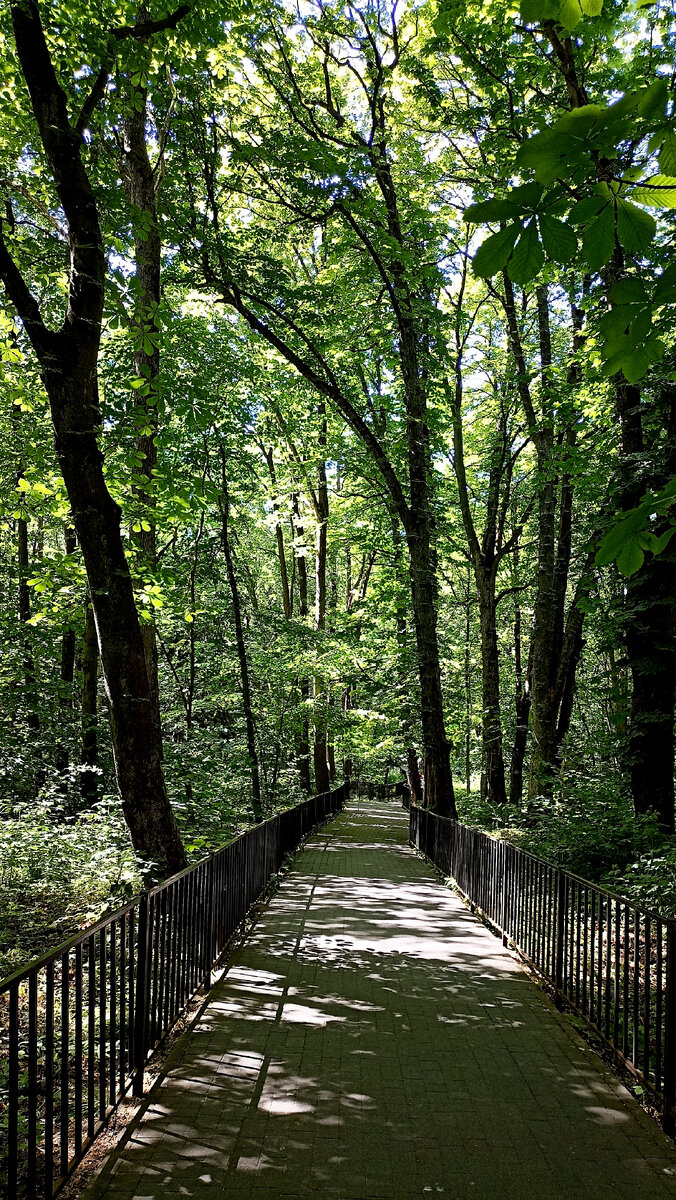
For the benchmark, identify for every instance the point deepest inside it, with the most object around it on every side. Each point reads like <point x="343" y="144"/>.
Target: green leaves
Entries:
<point x="659" y="191"/>
<point x="543" y="217"/>
<point x="567" y="13"/>
<point x="494" y="253"/>
<point x="518" y="246"/>
<point x="527" y="257"/>
<point x="629" y="539"/>
<point x="598" y="241"/>
<point x="635" y="228"/>
<point x="668" y="153"/>
<point x="558" y="239"/>
<point x="628" y="343"/>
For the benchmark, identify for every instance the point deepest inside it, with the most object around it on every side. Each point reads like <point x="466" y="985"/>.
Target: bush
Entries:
<point x="593" y="833"/>
<point x="57" y="876"/>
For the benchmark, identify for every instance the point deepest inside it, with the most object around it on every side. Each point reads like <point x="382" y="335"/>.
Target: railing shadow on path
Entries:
<point x="611" y="962"/>
<point x="78" y="1025"/>
<point x="371" y="1039"/>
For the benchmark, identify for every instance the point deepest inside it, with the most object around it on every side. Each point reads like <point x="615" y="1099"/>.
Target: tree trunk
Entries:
<point x="303" y="685"/>
<point x="224" y="504"/>
<point x="439" y="794"/>
<point x="30" y="682"/>
<point x="67" y="673"/>
<point x="650" y="620"/>
<point x="139" y="183"/>
<point x="319" y="746"/>
<point x="522" y="713"/>
<point x="89" y="788"/>
<point x="413" y="776"/>
<point x="494" y="766"/>
<point x="287" y="595"/>
<point x="417" y="514"/>
<point x="554" y="496"/>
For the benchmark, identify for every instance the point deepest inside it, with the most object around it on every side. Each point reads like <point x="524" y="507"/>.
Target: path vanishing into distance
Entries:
<point x="372" y="1039"/>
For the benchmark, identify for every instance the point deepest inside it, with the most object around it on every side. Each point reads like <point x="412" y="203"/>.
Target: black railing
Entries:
<point x="610" y="961"/>
<point x="78" y="1025"/>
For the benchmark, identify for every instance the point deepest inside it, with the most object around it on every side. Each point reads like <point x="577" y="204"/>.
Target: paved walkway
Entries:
<point x="372" y="1039"/>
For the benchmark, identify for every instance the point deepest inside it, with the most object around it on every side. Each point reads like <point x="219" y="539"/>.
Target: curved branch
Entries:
<point x="333" y="392"/>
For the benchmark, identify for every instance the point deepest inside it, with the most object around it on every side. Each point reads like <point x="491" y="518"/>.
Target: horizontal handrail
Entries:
<point x="609" y="960"/>
<point x="650" y="912"/>
<point x="78" y="1024"/>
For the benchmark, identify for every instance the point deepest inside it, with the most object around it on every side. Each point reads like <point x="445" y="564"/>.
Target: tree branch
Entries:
<point x="140" y="32"/>
<point x="330" y="389"/>
<point x="20" y="295"/>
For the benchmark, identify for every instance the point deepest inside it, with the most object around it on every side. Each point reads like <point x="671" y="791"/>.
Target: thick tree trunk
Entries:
<point x="652" y="657"/>
<point x="650" y="626"/>
<point x="68" y="361"/>
<point x="439" y="794"/>
<point x="135" y="737"/>
<point x="89" y="788"/>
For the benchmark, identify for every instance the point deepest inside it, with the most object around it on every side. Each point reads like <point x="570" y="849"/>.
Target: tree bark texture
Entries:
<point x="649" y="619"/>
<point x="89" y="788"/>
<point x="139" y="183"/>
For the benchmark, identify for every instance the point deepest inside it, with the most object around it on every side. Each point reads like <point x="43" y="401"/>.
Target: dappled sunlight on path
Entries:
<point x="372" y="1039"/>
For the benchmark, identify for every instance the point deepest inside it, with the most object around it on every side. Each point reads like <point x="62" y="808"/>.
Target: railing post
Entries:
<point x="560" y="924"/>
<point x="669" y="1097"/>
<point x="505" y="893"/>
<point x="211" y="892"/>
<point x="141" y="996"/>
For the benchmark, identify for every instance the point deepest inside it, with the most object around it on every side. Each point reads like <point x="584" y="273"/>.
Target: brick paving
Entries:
<point x="371" y="1040"/>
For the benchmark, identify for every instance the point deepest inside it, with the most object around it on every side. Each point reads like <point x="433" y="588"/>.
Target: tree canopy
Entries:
<point x="339" y="410"/>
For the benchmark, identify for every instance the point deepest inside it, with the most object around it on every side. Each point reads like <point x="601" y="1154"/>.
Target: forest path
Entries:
<point x="371" y="1039"/>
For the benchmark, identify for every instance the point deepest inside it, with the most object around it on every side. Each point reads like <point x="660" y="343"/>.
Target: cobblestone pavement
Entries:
<point x="371" y="1039"/>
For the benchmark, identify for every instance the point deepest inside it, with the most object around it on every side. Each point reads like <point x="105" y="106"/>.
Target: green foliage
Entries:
<point x="269" y="170"/>
<point x="64" y="874"/>
<point x="628" y="540"/>
<point x="594" y="834"/>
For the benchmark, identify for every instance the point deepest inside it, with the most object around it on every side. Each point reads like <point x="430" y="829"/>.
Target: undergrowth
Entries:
<point x="590" y="830"/>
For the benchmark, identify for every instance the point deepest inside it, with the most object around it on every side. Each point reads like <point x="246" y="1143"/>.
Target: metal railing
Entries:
<point x="611" y="962"/>
<point x="81" y="1022"/>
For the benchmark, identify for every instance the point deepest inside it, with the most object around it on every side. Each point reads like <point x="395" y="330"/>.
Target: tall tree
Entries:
<point x="68" y="361"/>
<point x="368" y="212"/>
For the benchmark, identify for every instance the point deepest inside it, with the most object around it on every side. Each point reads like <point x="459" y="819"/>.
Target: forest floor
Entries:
<point x="59" y="874"/>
